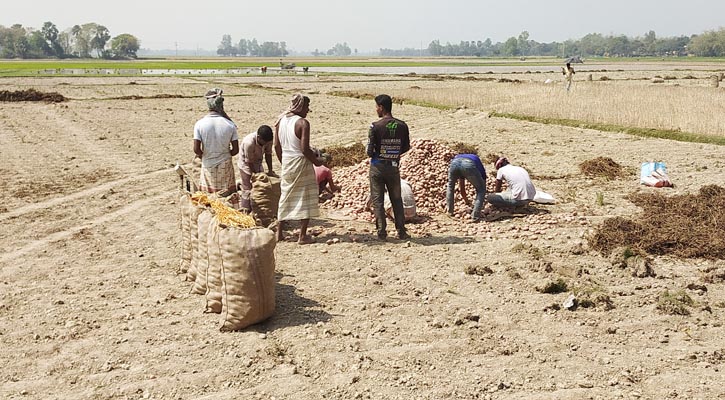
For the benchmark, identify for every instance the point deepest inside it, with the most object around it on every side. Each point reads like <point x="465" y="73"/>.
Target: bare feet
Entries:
<point x="305" y="240"/>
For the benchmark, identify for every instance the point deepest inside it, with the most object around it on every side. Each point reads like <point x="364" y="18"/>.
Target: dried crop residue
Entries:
<point x="463" y="148"/>
<point x="344" y="156"/>
<point x="603" y="167"/>
<point x="157" y="96"/>
<point x="665" y="226"/>
<point x="31" y="95"/>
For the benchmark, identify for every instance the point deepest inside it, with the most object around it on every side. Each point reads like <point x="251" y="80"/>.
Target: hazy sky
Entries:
<point x="367" y="25"/>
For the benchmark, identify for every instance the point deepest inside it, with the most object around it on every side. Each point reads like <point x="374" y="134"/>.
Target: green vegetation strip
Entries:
<point x="645" y="132"/>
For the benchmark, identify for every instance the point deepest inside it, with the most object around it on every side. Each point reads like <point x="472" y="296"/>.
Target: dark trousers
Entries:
<point x="384" y="176"/>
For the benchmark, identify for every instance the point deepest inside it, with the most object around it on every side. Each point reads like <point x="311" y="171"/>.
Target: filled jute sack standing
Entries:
<point x="185" y="211"/>
<point x="265" y="195"/>
<point x="213" y="273"/>
<point x="194" y="212"/>
<point x="246" y="258"/>
<point x="202" y="261"/>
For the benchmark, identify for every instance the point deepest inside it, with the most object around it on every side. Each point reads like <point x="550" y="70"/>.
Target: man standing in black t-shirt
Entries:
<point x="388" y="139"/>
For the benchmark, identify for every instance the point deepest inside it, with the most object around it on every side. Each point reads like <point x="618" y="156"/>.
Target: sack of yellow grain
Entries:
<point x="185" y="211"/>
<point x="247" y="275"/>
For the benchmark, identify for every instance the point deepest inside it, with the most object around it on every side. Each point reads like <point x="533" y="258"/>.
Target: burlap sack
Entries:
<point x="213" y="272"/>
<point x="247" y="274"/>
<point x="185" y="211"/>
<point x="265" y="195"/>
<point x="194" y="212"/>
<point x="202" y="260"/>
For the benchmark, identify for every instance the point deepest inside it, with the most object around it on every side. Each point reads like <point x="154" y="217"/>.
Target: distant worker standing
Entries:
<point x="255" y="146"/>
<point x="520" y="189"/>
<point x="466" y="167"/>
<point x="215" y="142"/>
<point x="388" y="140"/>
<point x="568" y="73"/>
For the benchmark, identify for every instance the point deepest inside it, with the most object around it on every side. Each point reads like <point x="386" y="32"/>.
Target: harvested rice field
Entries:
<point x="93" y="306"/>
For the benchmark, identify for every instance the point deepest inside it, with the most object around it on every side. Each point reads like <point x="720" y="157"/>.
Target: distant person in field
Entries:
<point x="215" y="142"/>
<point x="520" y="191"/>
<point x="388" y="140"/>
<point x="299" y="199"/>
<point x="568" y="73"/>
<point x="255" y="147"/>
<point x="264" y="70"/>
<point x="466" y="167"/>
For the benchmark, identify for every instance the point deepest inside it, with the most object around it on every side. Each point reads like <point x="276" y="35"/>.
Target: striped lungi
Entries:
<point x="299" y="199"/>
<point x="219" y="178"/>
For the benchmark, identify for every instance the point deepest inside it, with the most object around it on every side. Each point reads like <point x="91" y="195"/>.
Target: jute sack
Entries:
<point x="202" y="261"/>
<point x="247" y="275"/>
<point x="214" y="272"/>
<point x="265" y="195"/>
<point x="184" y="208"/>
<point x="194" y="212"/>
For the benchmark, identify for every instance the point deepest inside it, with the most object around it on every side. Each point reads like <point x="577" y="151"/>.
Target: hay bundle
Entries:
<point x="665" y="225"/>
<point x="603" y="167"/>
<point x="344" y="156"/>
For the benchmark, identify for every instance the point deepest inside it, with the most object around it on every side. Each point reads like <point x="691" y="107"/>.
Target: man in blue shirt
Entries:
<point x="467" y="167"/>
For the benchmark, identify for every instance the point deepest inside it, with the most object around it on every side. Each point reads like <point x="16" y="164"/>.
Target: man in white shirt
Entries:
<point x="520" y="189"/>
<point x="215" y="142"/>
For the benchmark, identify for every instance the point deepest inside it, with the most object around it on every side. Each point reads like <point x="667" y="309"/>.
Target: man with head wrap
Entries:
<point x="215" y="142"/>
<point x="298" y="184"/>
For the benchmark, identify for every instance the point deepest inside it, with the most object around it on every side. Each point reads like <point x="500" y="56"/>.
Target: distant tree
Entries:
<point x="99" y="35"/>
<point x="243" y="47"/>
<point x="14" y="42"/>
<point x="225" y="47"/>
<point x="254" y="49"/>
<point x="435" y="49"/>
<point x="510" y="47"/>
<point x="317" y="53"/>
<point x="50" y="35"/>
<point x="37" y="46"/>
<point x="523" y="43"/>
<point x="124" y="45"/>
<point x="618" y="46"/>
<point x="709" y="44"/>
<point x="340" y="49"/>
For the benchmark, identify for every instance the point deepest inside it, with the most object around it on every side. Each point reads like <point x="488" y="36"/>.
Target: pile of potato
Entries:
<point x="425" y="167"/>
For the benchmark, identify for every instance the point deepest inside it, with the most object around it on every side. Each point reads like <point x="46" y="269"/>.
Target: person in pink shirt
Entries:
<point x="324" y="178"/>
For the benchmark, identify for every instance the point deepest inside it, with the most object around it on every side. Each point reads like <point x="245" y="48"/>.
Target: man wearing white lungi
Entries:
<point x="299" y="199"/>
<point x="215" y="142"/>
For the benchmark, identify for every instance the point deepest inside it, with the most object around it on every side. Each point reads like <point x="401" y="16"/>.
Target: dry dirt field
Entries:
<point x="92" y="305"/>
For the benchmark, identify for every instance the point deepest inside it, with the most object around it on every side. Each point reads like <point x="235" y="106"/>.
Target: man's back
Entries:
<point x="389" y="139"/>
<point x="215" y="133"/>
<point x="518" y="179"/>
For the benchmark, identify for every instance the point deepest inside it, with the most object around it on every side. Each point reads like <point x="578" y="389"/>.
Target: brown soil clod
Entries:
<point x="31" y="95"/>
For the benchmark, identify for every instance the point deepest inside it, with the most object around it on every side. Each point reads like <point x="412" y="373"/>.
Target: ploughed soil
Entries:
<point x="92" y="305"/>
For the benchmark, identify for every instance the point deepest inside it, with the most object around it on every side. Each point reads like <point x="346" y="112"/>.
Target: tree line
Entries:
<point x="707" y="44"/>
<point x="246" y="47"/>
<point x="251" y="47"/>
<point x="79" y="41"/>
